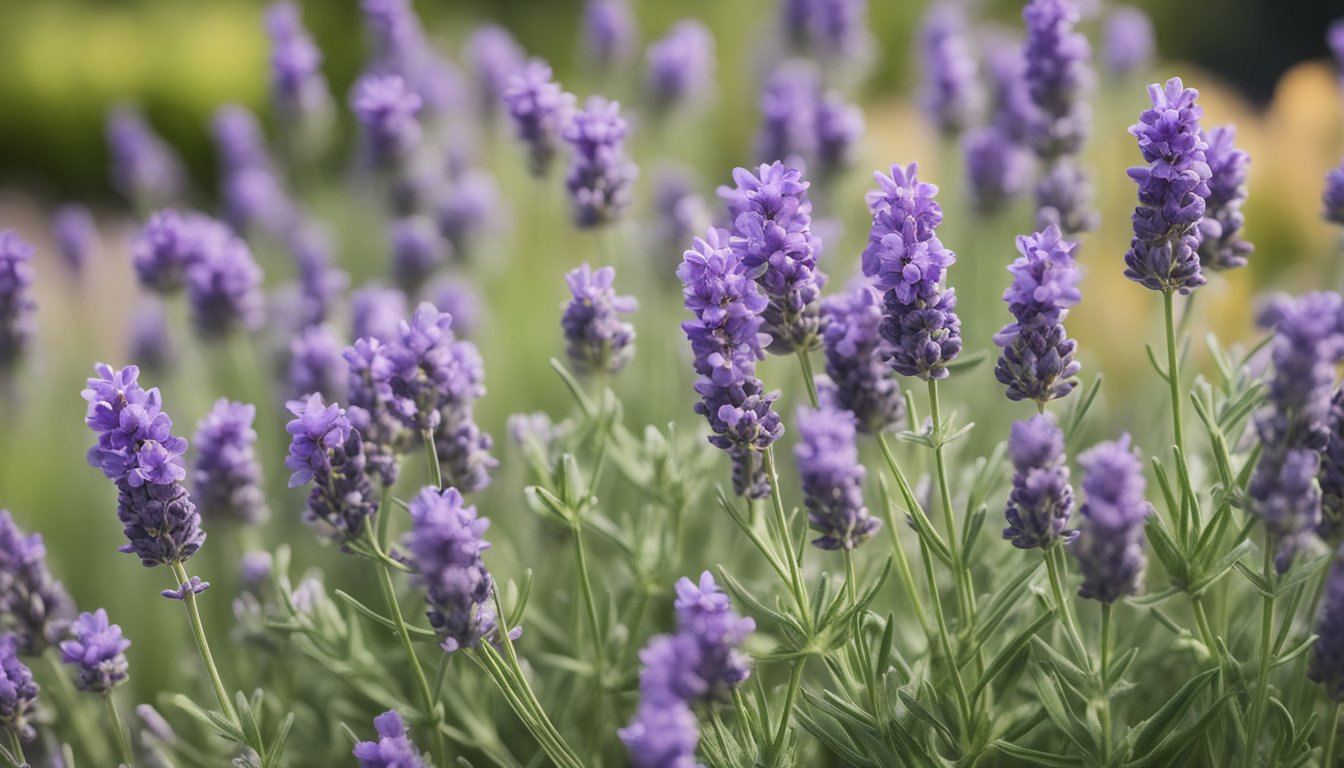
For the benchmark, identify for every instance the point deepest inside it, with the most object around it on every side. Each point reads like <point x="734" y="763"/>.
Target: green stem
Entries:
<point x="1104" y="668"/>
<point x="1205" y="629"/>
<point x="808" y="378"/>
<point x="1062" y="606"/>
<point x="1331" y="726"/>
<point x="123" y="738"/>
<point x="902" y="563"/>
<point x="432" y="455"/>
<point x="585" y="585"/>
<point x="790" y="554"/>
<point x="1262" y="676"/>
<point x="861" y="645"/>
<point x="421" y="682"/>
<point x="93" y="745"/>
<point x="1173" y="372"/>
<point x="965" y="591"/>
<point x="16" y="748"/>
<point x="203" y="644"/>
<point x="790" y="695"/>
<point x="945" y="639"/>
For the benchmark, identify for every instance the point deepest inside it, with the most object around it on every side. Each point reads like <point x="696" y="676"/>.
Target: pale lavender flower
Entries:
<point x="386" y="108"/>
<point x="315" y="363"/>
<point x="224" y="290"/>
<point x="832" y="477"/>
<point x="226" y="475"/>
<point x="1059" y="77"/>
<point x="1327" y="654"/>
<point x="471" y="206"/>
<point x="952" y="96"/>
<point x="18" y="692"/>
<point x="76" y="235"/>
<point x="144" y="168"/>
<point x="860" y="382"/>
<point x="601" y="176"/>
<point x="1041" y="500"/>
<point x="417" y="250"/>
<point x="681" y="211"/>
<point x="97" y="650"/>
<point x="377" y="312"/>
<point x="681" y="65"/>
<point x="788" y="105"/>
<point x="997" y="167"/>
<point x="1220" y="244"/>
<point x="150" y="344"/>
<point x="298" y="87"/>
<point x="598" y="340"/>
<point x="34" y="607"/>
<point x="495" y="57"/>
<point x="393" y="749"/>
<point x="1127" y="41"/>
<point x="1109" y="547"/>
<point x="539" y="107"/>
<point x="1333" y="197"/>
<point x="608" y="32"/>
<point x="839" y="128"/>
<point x="321" y="283"/>
<point x="460" y="299"/>
<point x="1064" y="198"/>
<point x="18" y="308"/>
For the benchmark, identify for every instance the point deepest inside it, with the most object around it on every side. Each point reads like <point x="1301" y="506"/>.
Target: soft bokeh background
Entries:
<point x="62" y="63"/>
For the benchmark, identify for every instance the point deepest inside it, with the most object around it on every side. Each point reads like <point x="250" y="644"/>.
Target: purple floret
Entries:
<point x="325" y="450"/>
<point x="386" y="108"/>
<point x="18" y="691"/>
<point x="832" y="478"/>
<point x="681" y="65"/>
<point x="1109" y="547"/>
<point x="1037" y="360"/>
<point x="861" y="382"/>
<point x="539" y="107"/>
<point x="34" y="607"/>
<point x="97" y="651"/>
<point x="597" y="339"/>
<point x="1041" y="501"/>
<point x="601" y="177"/>
<point x="18" y="309"/>
<point x="393" y="749"/>
<point x="226" y="476"/>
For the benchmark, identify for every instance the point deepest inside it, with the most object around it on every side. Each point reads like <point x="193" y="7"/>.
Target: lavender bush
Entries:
<point x="924" y="531"/>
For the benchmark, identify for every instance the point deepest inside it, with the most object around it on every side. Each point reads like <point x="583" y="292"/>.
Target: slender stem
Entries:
<point x="16" y="748"/>
<point x="1262" y="677"/>
<point x="808" y="378"/>
<point x="123" y="738"/>
<point x="432" y="455"/>
<point x="203" y="644"/>
<point x="965" y="592"/>
<point x="945" y="638"/>
<point x="1062" y="606"/>
<point x="93" y="744"/>
<point x="790" y="695"/>
<point x="421" y="682"/>
<point x="1205" y="629"/>
<point x="902" y="563"/>
<point x="1104" y="668"/>
<point x="585" y="585"/>
<point x="1173" y="372"/>
<point x="1331" y="726"/>
<point x="850" y="580"/>
<point x="790" y="554"/>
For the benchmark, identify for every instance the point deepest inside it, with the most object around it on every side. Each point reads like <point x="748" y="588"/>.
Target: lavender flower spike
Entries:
<point x="33" y="606"/>
<point x="1037" y="361"/>
<point x="430" y="370"/>
<point x="681" y="65"/>
<point x="538" y="107"/>
<point x="386" y="108"/>
<point x="598" y="340"/>
<point x="226" y="475"/>
<point x="854" y="348"/>
<point x="1041" y="501"/>
<point x="608" y="31"/>
<point x="1327" y="655"/>
<point x="1172" y="189"/>
<point x="316" y="363"/>
<point x="600" y="174"/>
<point x="138" y="452"/>
<point x="76" y="235"/>
<point x="18" y="691"/>
<point x="1331" y="477"/>
<point x="326" y="451"/>
<point x="17" y="306"/>
<point x="224" y="290"/>
<point x="298" y="87"/>
<point x="144" y="168"/>
<point x="828" y="463"/>
<point x="1333" y="197"/>
<point x="663" y="734"/>
<point x="445" y="545"/>
<point x="1220" y="244"/>
<point x="393" y="749"/>
<point x="371" y="407"/>
<point x="705" y="614"/>
<point x="1127" y="41"/>
<point x="952" y="96"/>
<point x="98" y="651"/>
<point x="1058" y="77"/>
<point x="1110" y="542"/>
<point x="997" y="168"/>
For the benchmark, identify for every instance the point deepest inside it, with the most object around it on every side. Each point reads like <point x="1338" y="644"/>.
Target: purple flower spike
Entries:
<point x="1294" y="425"/>
<point x="1059" y="77"/>
<point x="325" y="450"/>
<point x="393" y="749"/>
<point x="76" y="235"/>
<point x="952" y="96"/>
<point x="430" y="370"/>
<point x="1333" y="197"/>
<point x="98" y="651"/>
<point x="1163" y="254"/>
<point x="1064" y="198"/>
<point x="663" y="734"/>
<point x="377" y="312"/>
<point x="1041" y="501"/>
<point x="1220" y="244"/>
<point x="224" y="290"/>
<point x="997" y="167"/>
<point x="316" y="364"/>
<point x="774" y="244"/>
<point x="18" y="691"/>
<point x="321" y="284"/>
<point x="599" y="341"/>
<point x="828" y="463"/>
<point x="417" y="250"/>
<point x="298" y="87"/>
<point x="788" y="105"/>
<point x="1037" y="361"/>
<point x="1110" y="542"/>
<point x="33" y="606"/>
<point x="682" y="212"/>
<point x="608" y="32"/>
<point x="470" y="208"/>
<point x="445" y="545"/>
<point x="539" y="107"/>
<point x="495" y="57"/>
<point x="17" y="306"/>
<point x="1127" y="41"/>
<point x="144" y="168"/>
<point x="1327" y="655"/>
<point x="150" y="343"/>
<point x="1331" y="477"/>
<point x="371" y="407"/>
<point x="601" y="176"/>
<point x="460" y="299"/>
<point x="727" y="343"/>
<point x="681" y="65"/>
<point x="705" y="614"/>
<point x="136" y="450"/>
<point x="862" y="383"/>
<point x="386" y="108"/>
<point x="226" y="476"/>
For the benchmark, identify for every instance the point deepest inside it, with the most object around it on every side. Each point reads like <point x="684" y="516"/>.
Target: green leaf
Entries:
<point x="275" y="755"/>
<point x="1081" y="406"/>
<point x="575" y="388"/>
<point x="1167" y="551"/>
<point x="209" y="718"/>
<point x="752" y="602"/>
<point x="1217" y="570"/>
<point x="1008" y="597"/>
<point x="921" y="712"/>
<point x="1296" y="651"/>
<point x="972" y="530"/>
<point x="1052" y="700"/>
<point x="248" y="721"/>
<point x="1148" y="734"/>
<point x="967" y="362"/>
<point x="1174" y="749"/>
<point x="1152" y="359"/>
<point x="418" y="634"/>
<point x="1015" y="646"/>
<point x="1119" y="667"/>
<point x="1035" y="756"/>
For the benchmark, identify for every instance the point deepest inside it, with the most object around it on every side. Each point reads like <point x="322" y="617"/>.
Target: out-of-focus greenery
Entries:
<point x="64" y="62"/>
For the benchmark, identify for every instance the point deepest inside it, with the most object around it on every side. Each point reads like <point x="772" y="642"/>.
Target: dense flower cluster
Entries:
<point x="326" y="451"/>
<point x="597" y="339"/>
<point x="252" y="192"/>
<point x="1037" y="360"/>
<point x="393" y="749"/>
<point x="997" y="167"/>
<point x="18" y="691"/>
<point x="1109" y="547"/>
<point x="1327" y="654"/>
<point x="1041" y="501"/>
<point x="1127" y="41"/>
<point x="608" y="31"/>
<point x="832" y="478"/>
<point x="774" y="244"/>
<point x="97" y="651"/>
<point x="298" y="87"/>
<point x="1294" y="425"/>
<point x="601" y="177"/>
<point x="727" y="343"/>
<point x="495" y="57"/>
<point x="803" y="121"/>
<point x="681" y="65"/>
<point x="226" y="476"/>
<point x="539" y="107"/>
<point x="445" y="545"/>
<point x="952" y="95"/>
<point x="138" y="452"/>
<point x="371" y="407"/>
<point x="417" y="250"/>
<point x="17" y="306"/>
<point x="144" y="168"/>
<point x="34" y="607"/>
<point x="1220" y="244"/>
<point x="860" y="382"/>
<point x="386" y="108"/>
<point x="316" y="363"/>
<point x="907" y="262"/>
<point x="699" y="663"/>
<point x="1331" y="477"/>
<point x="1163" y="254"/>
